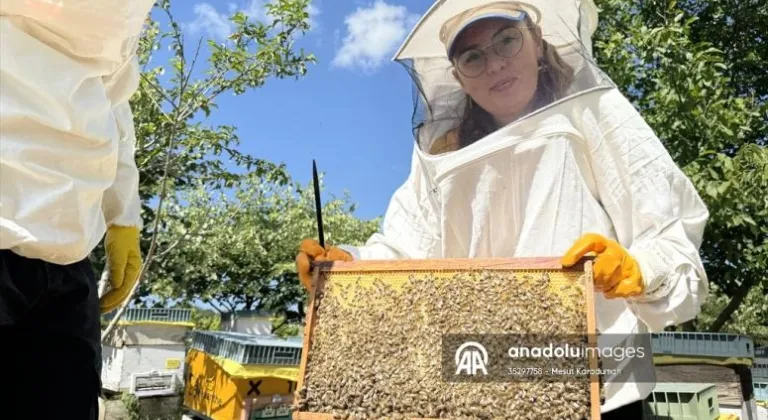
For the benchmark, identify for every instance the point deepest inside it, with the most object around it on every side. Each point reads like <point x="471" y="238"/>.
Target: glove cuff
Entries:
<point x="655" y="272"/>
<point x="123" y="227"/>
<point x="351" y="250"/>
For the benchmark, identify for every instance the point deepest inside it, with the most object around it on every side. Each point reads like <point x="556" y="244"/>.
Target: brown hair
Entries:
<point x="555" y="77"/>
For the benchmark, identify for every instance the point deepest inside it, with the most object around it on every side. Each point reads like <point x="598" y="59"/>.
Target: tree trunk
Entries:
<point x="738" y="297"/>
<point x="216" y="307"/>
<point x="230" y="307"/>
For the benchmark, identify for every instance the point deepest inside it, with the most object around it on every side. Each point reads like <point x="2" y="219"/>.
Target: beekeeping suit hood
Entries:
<point x="581" y="161"/>
<point x="67" y="167"/>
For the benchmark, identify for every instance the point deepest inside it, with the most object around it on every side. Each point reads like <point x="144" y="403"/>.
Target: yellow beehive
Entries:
<point x="230" y="375"/>
<point x="384" y="340"/>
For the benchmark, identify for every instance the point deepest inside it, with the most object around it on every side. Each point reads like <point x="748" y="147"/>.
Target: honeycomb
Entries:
<point x="382" y="345"/>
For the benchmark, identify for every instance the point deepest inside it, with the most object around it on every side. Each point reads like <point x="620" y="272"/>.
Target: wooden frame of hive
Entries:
<point x="370" y="267"/>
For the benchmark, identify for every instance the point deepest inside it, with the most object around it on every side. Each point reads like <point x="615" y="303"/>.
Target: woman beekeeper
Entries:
<point x="525" y="148"/>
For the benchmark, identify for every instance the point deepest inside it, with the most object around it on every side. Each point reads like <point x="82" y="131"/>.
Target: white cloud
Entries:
<point x="217" y="25"/>
<point x="210" y="21"/>
<point x="256" y="10"/>
<point x="313" y="11"/>
<point x="373" y="34"/>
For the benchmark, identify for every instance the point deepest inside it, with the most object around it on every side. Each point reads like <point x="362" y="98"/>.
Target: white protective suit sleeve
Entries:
<point x="121" y="204"/>
<point x="656" y="211"/>
<point x="410" y="226"/>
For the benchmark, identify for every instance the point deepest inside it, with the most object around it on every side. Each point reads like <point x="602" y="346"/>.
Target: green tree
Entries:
<point x="281" y="327"/>
<point x="176" y="150"/>
<point x="696" y="77"/>
<point x="206" y="320"/>
<point x="750" y="318"/>
<point x="239" y="251"/>
<point x="737" y="28"/>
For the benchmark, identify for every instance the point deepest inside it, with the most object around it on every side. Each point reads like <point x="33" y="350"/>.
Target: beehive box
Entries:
<point x="275" y="407"/>
<point x="392" y="339"/>
<point x="726" y="360"/>
<point x="145" y="354"/>
<point x="761" y="391"/>
<point x="723" y="346"/>
<point x="229" y="375"/>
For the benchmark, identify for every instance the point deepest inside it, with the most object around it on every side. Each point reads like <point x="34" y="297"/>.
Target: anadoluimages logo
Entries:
<point x="471" y="357"/>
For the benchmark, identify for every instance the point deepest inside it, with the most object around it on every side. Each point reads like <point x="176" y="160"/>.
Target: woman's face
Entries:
<point x="496" y="62"/>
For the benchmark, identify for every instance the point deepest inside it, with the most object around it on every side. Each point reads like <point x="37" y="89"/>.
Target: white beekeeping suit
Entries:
<point x="585" y="162"/>
<point x="67" y="166"/>
<point x="68" y="179"/>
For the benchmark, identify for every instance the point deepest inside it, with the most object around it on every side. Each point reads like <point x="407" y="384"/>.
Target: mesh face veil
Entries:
<point x="508" y="61"/>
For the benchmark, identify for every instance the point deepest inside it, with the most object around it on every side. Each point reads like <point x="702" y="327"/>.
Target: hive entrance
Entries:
<point x="380" y="339"/>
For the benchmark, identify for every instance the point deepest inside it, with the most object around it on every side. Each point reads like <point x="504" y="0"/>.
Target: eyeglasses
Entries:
<point x="507" y="43"/>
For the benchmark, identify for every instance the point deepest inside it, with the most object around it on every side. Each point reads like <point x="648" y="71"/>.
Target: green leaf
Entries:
<point x="723" y="187"/>
<point x="712" y="190"/>
<point x="748" y="219"/>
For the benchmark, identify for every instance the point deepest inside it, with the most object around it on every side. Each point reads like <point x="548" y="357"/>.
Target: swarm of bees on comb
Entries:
<point x="377" y="351"/>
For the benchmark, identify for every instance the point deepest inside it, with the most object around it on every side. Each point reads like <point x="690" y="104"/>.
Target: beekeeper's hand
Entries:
<point x="616" y="273"/>
<point x="310" y="250"/>
<point x="124" y="257"/>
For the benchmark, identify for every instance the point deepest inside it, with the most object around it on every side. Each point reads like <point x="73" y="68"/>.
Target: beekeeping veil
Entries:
<point x="440" y="102"/>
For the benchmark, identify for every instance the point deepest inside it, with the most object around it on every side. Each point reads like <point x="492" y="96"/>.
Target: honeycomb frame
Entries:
<point x="325" y="269"/>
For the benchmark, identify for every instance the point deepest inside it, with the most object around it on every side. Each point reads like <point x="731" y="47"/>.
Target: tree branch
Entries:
<point x="194" y="61"/>
<point x="738" y="297"/>
<point x="162" y="93"/>
<point x="158" y="216"/>
<point x="216" y="307"/>
<point x="230" y="307"/>
<point x="153" y="244"/>
<point x="185" y="234"/>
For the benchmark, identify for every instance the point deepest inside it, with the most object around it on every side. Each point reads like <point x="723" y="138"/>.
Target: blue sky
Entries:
<point x="351" y="112"/>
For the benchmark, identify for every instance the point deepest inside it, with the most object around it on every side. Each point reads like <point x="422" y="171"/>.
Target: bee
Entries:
<point x="376" y="348"/>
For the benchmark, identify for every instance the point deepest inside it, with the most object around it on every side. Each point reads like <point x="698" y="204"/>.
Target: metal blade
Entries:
<point x="318" y="207"/>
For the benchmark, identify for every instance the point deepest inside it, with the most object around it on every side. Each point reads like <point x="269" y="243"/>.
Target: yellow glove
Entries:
<point x="122" y="245"/>
<point x="616" y="273"/>
<point x="310" y="250"/>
